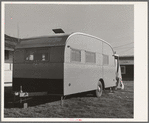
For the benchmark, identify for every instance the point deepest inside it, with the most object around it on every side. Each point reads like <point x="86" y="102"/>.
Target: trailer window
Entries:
<point x="36" y="55"/>
<point x="30" y="55"/>
<point x="75" y="55"/>
<point x="41" y="55"/>
<point x="90" y="57"/>
<point x="105" y="59"/>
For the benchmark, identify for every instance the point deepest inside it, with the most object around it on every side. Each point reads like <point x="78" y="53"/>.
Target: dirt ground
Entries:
<point x="118" y="104"/>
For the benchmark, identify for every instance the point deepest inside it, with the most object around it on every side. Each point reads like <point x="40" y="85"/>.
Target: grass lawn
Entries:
<point x="110" y="105"/>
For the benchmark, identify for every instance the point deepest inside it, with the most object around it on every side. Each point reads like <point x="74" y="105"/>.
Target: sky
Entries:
<point x="112" y="23"/>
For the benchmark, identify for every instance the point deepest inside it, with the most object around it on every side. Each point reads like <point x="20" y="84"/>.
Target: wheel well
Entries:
<point x="103" y="84"/>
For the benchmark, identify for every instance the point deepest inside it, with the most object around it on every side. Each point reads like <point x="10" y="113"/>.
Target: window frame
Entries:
<point x="94" y="57"/>
<point x="36" y="50"/>
<point x="103" y="60"/>
<point x="71" y="55"/>
<point x="26" y="55"/>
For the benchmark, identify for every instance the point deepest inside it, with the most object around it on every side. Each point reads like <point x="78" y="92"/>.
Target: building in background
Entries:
<point x="10" y="43"/>
<point x="127" y="67"/>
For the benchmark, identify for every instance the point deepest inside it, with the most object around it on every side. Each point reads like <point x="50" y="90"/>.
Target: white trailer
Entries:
<point x="63" y="65"/>
<point x="89" y="62"/>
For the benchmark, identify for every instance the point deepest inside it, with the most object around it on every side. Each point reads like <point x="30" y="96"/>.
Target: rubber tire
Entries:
<point x="97" y="92"/>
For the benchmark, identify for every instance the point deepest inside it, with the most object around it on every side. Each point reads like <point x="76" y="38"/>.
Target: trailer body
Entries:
<point x="63" y="64"/>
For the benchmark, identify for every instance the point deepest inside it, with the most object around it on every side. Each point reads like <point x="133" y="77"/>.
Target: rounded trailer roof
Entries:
<point x="54" y="40"/>
<point x="79" y="33"/>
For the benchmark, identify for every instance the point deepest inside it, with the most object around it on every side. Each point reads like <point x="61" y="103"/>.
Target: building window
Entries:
<point x="105" y="59"/>
<point x="123" y="70"/>
<point x="90" y="57"/>
<point x="6" y="54"/>
<point x="75" y="55"/>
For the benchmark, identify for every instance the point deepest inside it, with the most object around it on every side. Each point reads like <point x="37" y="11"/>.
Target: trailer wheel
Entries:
<point x="99" y="89"/>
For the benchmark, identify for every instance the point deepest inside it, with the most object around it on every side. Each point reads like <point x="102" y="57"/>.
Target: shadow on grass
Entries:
<point x="35" y="101"/>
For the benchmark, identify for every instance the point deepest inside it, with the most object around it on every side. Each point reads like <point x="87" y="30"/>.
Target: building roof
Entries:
<point x="9" y="49"/>
<point x="126" y="56"/>
<point x="10" y="42"/>
<point x="126" y="60"/>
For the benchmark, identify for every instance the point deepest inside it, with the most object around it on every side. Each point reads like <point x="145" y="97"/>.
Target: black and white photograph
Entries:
<point x="74" y="61"/>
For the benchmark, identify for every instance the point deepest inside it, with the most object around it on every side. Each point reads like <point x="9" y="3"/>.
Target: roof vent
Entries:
<point x="58" y="31"/>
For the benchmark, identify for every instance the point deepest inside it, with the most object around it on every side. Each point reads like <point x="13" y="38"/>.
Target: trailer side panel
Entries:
<point x="84" y="73"/>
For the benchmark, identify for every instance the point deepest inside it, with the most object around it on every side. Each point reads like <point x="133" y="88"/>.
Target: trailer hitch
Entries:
<point x="21" y="93"/>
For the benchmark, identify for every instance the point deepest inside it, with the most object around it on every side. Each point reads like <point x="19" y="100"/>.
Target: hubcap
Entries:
<point x="99" y="88"/>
